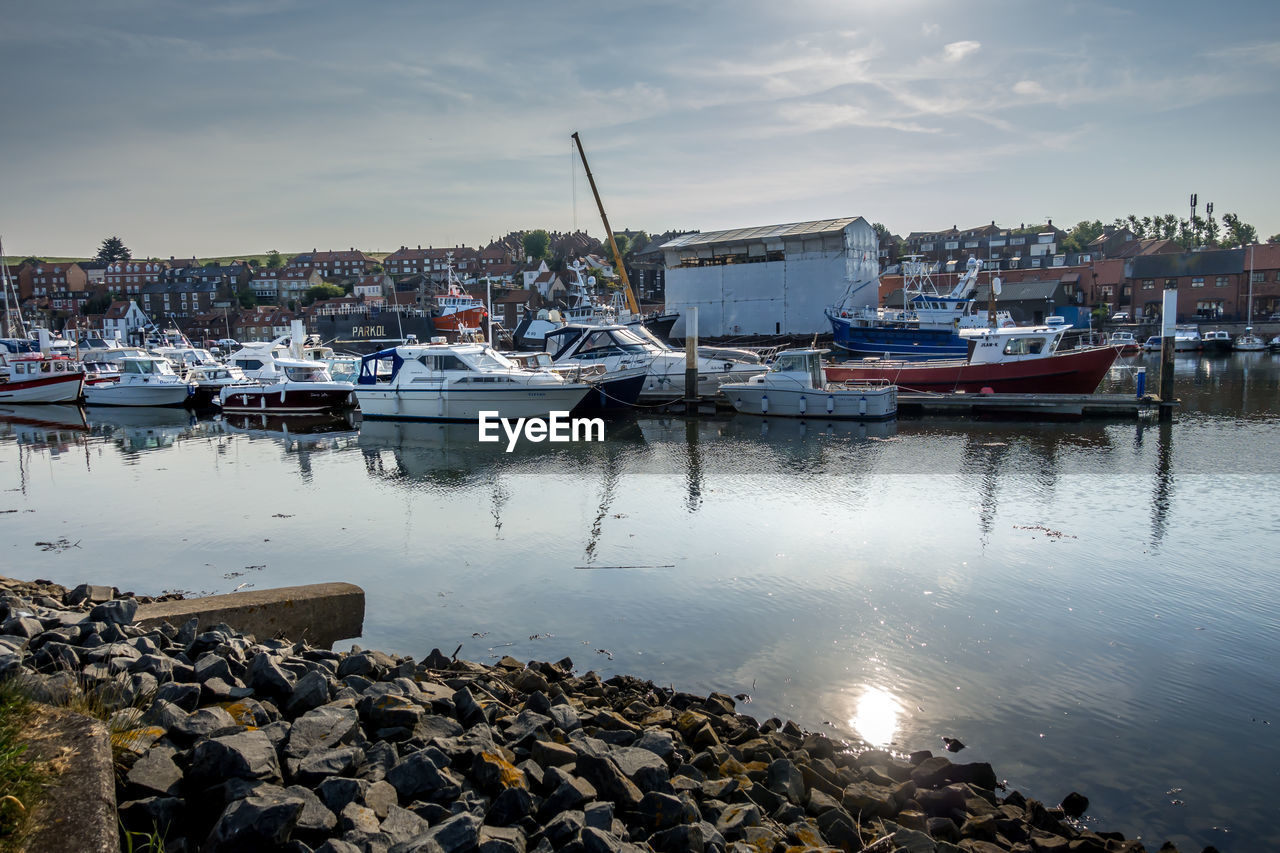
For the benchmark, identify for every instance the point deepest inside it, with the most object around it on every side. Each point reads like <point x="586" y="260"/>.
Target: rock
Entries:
<point x="402" y="825"/>
<point x="119" y="612"/>
<point x="184" y="696"/>
<point x="493" y="773"/>
<point x="608" y="780"/>
<point x="570" y="793"/>
<point x="551" y="754"/>
<point x="90" y="594"/>
<point x="786" y="780"/>
<point x="660" y="743"/>
<point x="468" y="709"/>
<point x="320" y="764"/>
<point x="335" y="793"/>
<point x="510" y="807"/>
<point x="212" y="666"/>
<point x="150" y="814"/>
<point x="254" y="823"/>
<point x="679" y="839"/>
<point x="455" y="835"/>
<point x="657" y="811"/>
<point x="247" y="755"/>
<point x="155" y="774"/>
<point x="1074" y="805"/>
<point x="311" y="691"/>
<point x="324" y="728"/>
<point x="641" y="766"/>
<point x="205" y="723"/>
<point x="315" y="818"/>
<point x="565" y="718"/>
<point x="734" y="820"/>
<point x="952" y="744"/>
<point x="21" y="626"/>
<point x="563" y="828"/>
<point x="501" y="839"/>
<point x="423" y="774"/>
<point x="357" y="818"/>
<point x="381" y="796"/>
<point x="266" y="676"/>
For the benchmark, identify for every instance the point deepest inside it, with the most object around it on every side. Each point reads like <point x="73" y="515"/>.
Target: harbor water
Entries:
<point x="1087" y="606"/>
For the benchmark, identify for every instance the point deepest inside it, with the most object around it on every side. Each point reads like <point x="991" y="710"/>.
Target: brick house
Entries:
<point x="1211" y="285"/>
<point x="50" y="278"/>
<point x="406" y="261"/>
<point x="283" y="285"/>
<point x="182" y="299"/>
<point x="263" y="323"/>
<point x="127" y="278"/>
<point x="335" y="266"/>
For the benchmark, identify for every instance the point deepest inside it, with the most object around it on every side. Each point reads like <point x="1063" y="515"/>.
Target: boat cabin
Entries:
<point x="802" y="365"/>
<point x="435" y="361"/>
<point x="1015" y="343"/>
<point x="596" y="342"/>
<point x="24" y="368"/>
<point x="145" y="367"/>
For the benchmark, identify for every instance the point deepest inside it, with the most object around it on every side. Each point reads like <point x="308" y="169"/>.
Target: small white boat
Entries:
<point x="456" y="382"/>
<point x="1152" y="344"/>
<point x="1274" y="344"/>
<point x="1249" y="342"/>
<point x="144" y="381"/>
<point x="36" y="378"/>
<point x="293" y="387"/>
<point x="796" y="386"/>
<point x="1187" y="338"/>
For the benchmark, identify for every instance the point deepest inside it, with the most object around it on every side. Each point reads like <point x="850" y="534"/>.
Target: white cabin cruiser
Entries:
<point x="796" y="386"/>
<point x="620" y="347"/>
<point x="287" y="386"/>
<point x="1249" y="342"/>
<point x="144" y="381"/>
<point x="1187" y="338"/>
<point x="456" y="382"/>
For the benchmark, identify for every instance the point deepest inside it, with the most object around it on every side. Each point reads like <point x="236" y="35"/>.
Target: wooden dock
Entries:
<point x="1029" y="405"/>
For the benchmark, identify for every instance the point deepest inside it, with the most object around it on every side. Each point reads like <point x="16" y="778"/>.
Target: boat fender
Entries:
<point x="862" y="405"/>
<point x="764" y="404"/>
<point x="987" y="389"/>
<point x="804" y="404"/>
<point x="831" y="403"/>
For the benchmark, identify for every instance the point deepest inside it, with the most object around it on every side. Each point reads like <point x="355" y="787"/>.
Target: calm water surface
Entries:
<point x="1089" y="607"/>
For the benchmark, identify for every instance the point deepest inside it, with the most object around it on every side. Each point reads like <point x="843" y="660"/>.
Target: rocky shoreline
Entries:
<point x="228" y="743"/>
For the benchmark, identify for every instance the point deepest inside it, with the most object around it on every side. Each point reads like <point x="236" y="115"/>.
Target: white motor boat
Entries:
<point x="1249" y="342"/>
<point x="144" y="381"/>
<point x="456" y="382"/>
<point x="1187" y="338"/>
<point x="210" y="379"/>
<point x="620" y="347"/>
<point x="796" y="386"/>
<point x="293" y="386"/>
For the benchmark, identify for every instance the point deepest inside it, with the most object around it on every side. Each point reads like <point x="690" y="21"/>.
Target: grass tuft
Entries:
<point x="22" y="783"/>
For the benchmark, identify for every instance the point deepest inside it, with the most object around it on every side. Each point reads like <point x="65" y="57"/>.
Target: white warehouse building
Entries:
<point x="770" y="280"/>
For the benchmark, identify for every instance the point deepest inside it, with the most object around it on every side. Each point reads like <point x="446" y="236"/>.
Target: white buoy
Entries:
<point x="764" y="404"/>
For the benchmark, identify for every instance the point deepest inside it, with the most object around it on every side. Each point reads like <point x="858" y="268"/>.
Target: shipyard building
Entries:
<point x="772" y="279"/>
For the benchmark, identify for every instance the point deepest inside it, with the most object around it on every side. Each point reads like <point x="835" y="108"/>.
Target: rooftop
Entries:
<point x="763" y="232"/>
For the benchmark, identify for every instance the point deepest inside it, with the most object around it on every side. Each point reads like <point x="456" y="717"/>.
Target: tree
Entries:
<point x="274" y="261"/>
<point x="99" y="303"/>
<point x="322" y="291"/>
<point x="246" y="297"/>
<point x="1274" y="238"/>
<point x="1084" y="233"/>
<point x="113" y="249"/>
<point x="624" y="244"/>
<point x="640" y="240"/>
<point x="211" y="264"/>
<point x="1238" y="233"/>
<point x="537" y="244"/>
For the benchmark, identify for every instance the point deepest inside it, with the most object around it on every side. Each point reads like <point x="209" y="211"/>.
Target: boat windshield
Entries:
<point x="147" y="367"/>
<point x="1024" y="346"/>
<point x="306" y="374"/>
<point x="487" y="359"/>
<point x="611" y="342"/>
<point x="795" y="362"/>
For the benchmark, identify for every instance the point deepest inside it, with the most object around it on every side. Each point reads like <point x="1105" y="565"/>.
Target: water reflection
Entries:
<point x="138" y="429"/>
<point x="875" y="716"/>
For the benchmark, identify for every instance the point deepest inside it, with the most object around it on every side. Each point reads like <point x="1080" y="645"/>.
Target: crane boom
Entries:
<point x="613" y="244"/>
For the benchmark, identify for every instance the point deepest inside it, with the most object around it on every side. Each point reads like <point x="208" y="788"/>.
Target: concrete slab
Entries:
<point x="320" y="613"/>
<point x="79" y="810"/>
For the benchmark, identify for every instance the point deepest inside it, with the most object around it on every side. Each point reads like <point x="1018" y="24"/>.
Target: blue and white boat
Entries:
<point x="456" y="382"/>
<point x="927" y="326"/>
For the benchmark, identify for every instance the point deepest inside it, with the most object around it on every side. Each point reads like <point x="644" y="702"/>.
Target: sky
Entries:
<point x="240" y="126"/>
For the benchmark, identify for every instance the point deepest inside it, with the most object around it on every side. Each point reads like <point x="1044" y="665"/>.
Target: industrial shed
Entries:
<point x="770" y="280"/>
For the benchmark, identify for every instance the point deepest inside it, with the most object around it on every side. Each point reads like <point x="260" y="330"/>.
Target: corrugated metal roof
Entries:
<point x="763" y="232"/>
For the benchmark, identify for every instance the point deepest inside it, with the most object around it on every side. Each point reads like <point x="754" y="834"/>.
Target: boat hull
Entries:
<point x="63" y="388"/>
<point x="288" y="399"/>
<point x="612" y="394"/>
<point x="449" y="404"/>
<point x="1216" y="346"/>
<point x="866" y="404"/>
<point x="1072" y="372"/>
<point x="117" y="394"/>
<point x="903" y="343"/>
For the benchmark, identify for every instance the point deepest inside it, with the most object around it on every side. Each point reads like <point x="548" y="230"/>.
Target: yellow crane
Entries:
<point x="632" y="305"/>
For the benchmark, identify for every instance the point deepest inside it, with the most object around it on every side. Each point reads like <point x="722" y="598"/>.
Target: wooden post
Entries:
<point x="1168" y="321"/>
<point x="691" y="359"/>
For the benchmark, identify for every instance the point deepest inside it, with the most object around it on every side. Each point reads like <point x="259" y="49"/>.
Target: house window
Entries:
<point x="926" y="247"/>
<point x="971" y="244"/>
<point x="1198" y="281"/>
<point x="1148" y="284"/>
<point x="1170" y="283"/>
<point x="1035" y="262"/>
<point x="1017" y="241"/>
<point x="1258" y="277"/>
<point x="1222" y="281"/>
<point x="951" y="244"/>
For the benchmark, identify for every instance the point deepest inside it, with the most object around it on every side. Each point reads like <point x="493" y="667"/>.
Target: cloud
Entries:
<point x="808" y="117"/>
<point x="1028" y="87"/>
<point x="930" y="29"/>
<point x="958" y="50"/>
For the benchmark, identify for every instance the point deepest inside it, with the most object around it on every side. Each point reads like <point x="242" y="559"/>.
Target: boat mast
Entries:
<point x="613" y="244"/>
<point x="12" y="328"/>
<point x="1249" y="322"/>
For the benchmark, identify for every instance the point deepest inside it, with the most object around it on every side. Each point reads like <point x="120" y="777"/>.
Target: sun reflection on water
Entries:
<point x="875" y="717"/>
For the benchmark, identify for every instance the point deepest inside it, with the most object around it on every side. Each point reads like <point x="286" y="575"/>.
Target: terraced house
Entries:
<point x="282" y="285"/>
<point x="129" y="277"/>
<point x="335" y="266"/>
